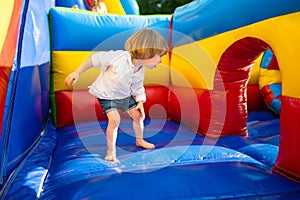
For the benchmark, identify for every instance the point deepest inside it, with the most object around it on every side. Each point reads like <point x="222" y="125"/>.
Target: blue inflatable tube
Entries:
<point x="215" y="17"/>
<point x="110" y="30"/>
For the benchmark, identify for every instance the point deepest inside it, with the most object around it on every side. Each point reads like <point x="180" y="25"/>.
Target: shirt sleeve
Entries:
<point x="137" y="86"/>
<point x="102" y="59"/>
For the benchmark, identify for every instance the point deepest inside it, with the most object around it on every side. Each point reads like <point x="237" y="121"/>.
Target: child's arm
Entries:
<point x="74" y="76"/>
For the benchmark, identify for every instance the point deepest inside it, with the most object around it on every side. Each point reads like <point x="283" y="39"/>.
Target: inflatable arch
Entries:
<point x="204" y="107"/>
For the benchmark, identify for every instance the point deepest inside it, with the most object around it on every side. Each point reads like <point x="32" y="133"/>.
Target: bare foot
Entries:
<point x="111" y="158"/>
<point x="144" y="144"/>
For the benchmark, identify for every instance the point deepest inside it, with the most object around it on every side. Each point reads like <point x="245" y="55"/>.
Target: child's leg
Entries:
<point x="111" y="135"/>
<point x="138" y="127"/>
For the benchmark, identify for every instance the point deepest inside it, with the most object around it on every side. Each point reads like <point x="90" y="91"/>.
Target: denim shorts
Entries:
<point x="114" y="104"/>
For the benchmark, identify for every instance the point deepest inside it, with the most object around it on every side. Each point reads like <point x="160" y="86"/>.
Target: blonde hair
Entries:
<point x="146" y="43"/>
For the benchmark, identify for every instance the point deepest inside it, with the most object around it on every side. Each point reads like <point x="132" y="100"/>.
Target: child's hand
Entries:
<point x="140" y="107"/>
<point x="71" y="78"/>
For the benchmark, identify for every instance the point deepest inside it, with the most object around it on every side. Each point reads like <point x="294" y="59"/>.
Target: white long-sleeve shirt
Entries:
<point x="117" y="79"/>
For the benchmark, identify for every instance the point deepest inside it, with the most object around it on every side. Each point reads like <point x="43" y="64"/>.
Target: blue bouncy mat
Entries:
<point x="184" y="165"/>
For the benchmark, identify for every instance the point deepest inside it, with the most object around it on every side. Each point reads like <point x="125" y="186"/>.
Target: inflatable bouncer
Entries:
<point x="223" y="107"/>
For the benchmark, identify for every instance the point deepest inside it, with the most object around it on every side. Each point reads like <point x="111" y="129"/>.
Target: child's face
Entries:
<point x="96" y="9"/>
<point x="152" y="62"/>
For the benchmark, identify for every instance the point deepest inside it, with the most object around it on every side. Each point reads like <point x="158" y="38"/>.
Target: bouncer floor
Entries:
<point x="68" y="163"/>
